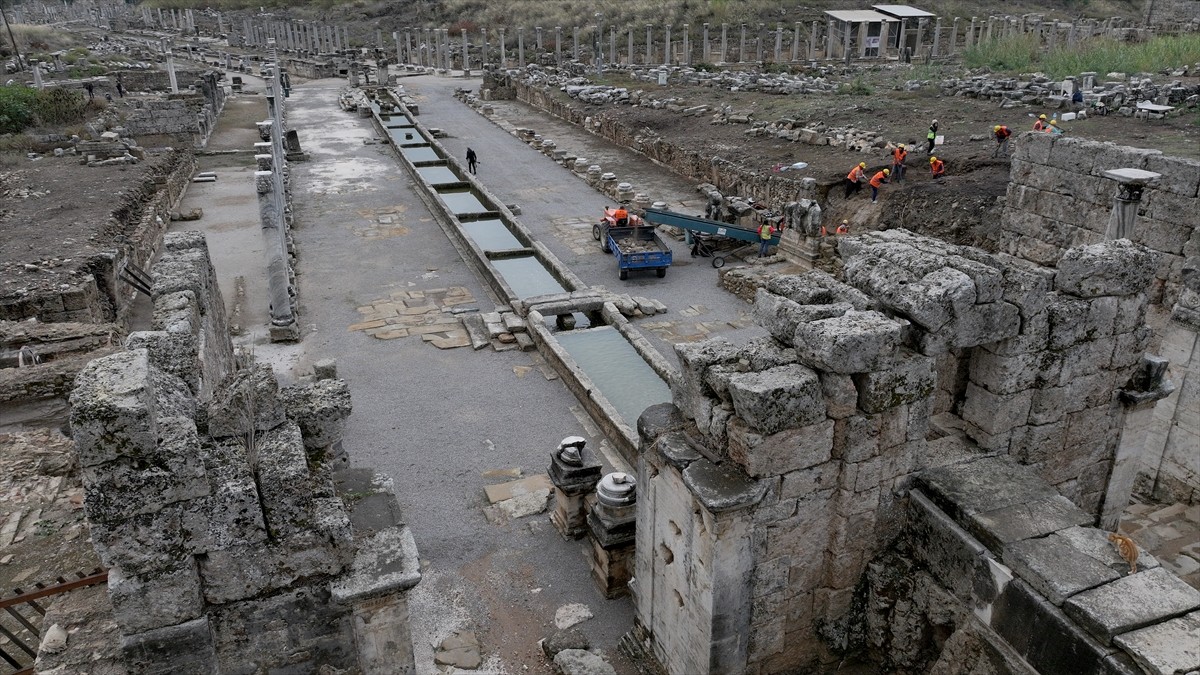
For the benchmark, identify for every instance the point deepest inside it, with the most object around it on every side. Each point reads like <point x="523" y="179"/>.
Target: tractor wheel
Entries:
<point x="661" y="272"/>
<point x="624" y="274"/>
<point x="718" y="262"/>
<point x="596" y="231"/>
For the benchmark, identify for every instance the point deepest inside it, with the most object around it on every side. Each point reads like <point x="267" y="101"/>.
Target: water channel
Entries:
<point x="617" y="370"/>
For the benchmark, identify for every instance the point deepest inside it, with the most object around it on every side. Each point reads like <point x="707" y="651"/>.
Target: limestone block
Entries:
<point x="142" y="544"/>
<point x="1160" y="232"/>
<point x="183" y="270"/>
<point x="231" y="515"/>
<point x="856" y="438"/>
<point x="689" y="390"/>
<point x="779" y="398"/>
<point x="284" y="483"/>
<point x="805" y="483"/>
<point x="1068" y="322"/>
<point x="1034" y="147"/>
<point x="780" y="315"/>
<point x="1035" y="444"/>
<point x="856" y="342"/>
<point x="1011" y="374"/>
<point x="841" y="396"/>
<point x="986" y="323"/>
<point x="1132" y="602"/>
<point x="909" y="379"/>
<point x="818" y="288"/>
<point x="113" y="408"/>
<point x="1168" y="647"/>
<point x="174" y="353"/>
<point x="320" y="408"/>
<point x="247" y="402"/>
<point x="766" y="352"/>
<point x="239" y="572"/>
<point x="721" y="488"/>
<point x="1180" y="176"/>
<point x="122" y="488"/>
<point x="153" y="600"/>
<point x="177" y="313"/>
<point x="1087" y="358"/>
<point x="580" y="662"/>
<point x="1074" y="154"/>
<point x="789" y="450"/>
<point x="1109" y="156"/>
<point x="184" y="648"/>
<point x="1112" y="268"/>
<point x="995" y="413"/>
<point x="1053" y="567"/>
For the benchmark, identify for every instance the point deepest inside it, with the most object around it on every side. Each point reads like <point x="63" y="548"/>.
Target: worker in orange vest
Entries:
<point x="1001" y="134"/>
<point x="621" y="216"/>
<point x="938" y="167"/>
<point x="844" y="228"/>
<point x="765" y="232"/>
<point x="876" y="182"/>
<point x="855" y="178"/>
<point x="1041" y="123"/>
<point x="899" y="154"/>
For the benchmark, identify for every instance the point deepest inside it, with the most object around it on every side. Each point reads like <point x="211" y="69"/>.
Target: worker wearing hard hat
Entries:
<point x="1041" y="123"/>
<point x="931" y="137"/>
<point x="876" y="182"/>
<point x="1001" y="133"/>
<point x="855" y="178"/>
<point x="938" y="167"/>
<point x="1053" y="128"/>
<point x="899" y="154"/>
<point x="844" y="227"/>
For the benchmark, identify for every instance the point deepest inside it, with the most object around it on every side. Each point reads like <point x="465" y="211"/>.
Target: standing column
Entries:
<point x="171" y="72"/>
<point x="399" y="48"/>
<point x="778" y="43"/>
<point x="953" y="37"/>
<point x="520" y="46"/>
<point x="742" y="46"/>
<point x="724" y="42"/>
<point x="812" y="43"/>
<point x="687" y="44"/>
<point x="503" y="55"/>
<point x="630" y="62"/>
<point x="920" y="36"/>
<point x="667" y="45"/>
<point x="846" y="43"/>
<point x="705" y="48"/>
<point x="796" y="43"/>
<point x="829" y="39"/>
<point x="649" y="46"/>
<point x="612" y="44"/>
<point x="540" y="49"/>
<point x="575" y="44"/>
<point x="971" y="34"/>
<point x="937" y="36"/>
<point x="558" y="46"/>
<point x="758" y="50"/>
<point x="466" y="57"/>
<point x="991" y="22"/>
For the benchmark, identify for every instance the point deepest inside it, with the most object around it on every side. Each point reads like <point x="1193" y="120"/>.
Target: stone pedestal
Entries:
<point x="574" y="472"/>
<point x="611" y="527"/>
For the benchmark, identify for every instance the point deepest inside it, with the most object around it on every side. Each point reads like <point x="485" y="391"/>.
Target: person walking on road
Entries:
<point x="472" y="160"/>
<point x="876" y="182"/>
<point x="931" y="137"/>
<point x="938" y="167"/>
<point x="899" y="154"/>
<point x="765" y="232"/>
<point x="855" y="178"/>
<point x="1001" y="133"/>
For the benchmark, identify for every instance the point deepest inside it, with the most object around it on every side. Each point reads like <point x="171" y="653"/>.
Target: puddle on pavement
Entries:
<point x="618" y="371"/>
<point x="437" y="175"/>
<point x="491" y="234"/>
<point x="462" y="201"/>
<point x="419" y="153"/>
<point x="527" y="277"/>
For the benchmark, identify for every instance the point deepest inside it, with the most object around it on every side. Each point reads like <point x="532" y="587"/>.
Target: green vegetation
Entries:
<point x="22" y="107"/>
<point x="856" y="87"/>
<point x="1021" y="54"/>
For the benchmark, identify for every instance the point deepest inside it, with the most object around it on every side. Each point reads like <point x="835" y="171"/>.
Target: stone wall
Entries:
<point x="218" y="501"/>
<point x="772" y="189"/>
<point x="1058" y="198"/>
<point x="783" y="470"/>
<point x="189" y="116"/>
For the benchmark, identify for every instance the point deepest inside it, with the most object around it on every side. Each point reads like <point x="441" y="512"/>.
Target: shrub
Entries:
<point x="56" y="107"/>
<point x="16" y="108"/>
<point x="856" y="87"/>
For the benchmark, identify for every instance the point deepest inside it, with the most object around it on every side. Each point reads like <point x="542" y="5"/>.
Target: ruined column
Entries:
<point x="920" y="36"/>
<point x="971" y="34"/>
<point x="538" y="43"/>
<point x="611" y="525"/>
<point x="503" y="52"/>
<point x="796" y="42"/>
<point x="1145" y="389"/>
<point x="724" y="43"/>
<point x="953" y="38"/>
<point x="1130" y="184"/>
<point x="742" y="46"/>
<point x="1052" y="36"/>
<point x="558" y="46"/>
<point x="629" y="49"/>
<point x="812" y="43"/>
<point x="466" y="56"/>
<point x="705" y="47"/>
<point x="937" y="36"/>
<point x="171" y="73"/>
<point x="612" y="44"/>
<point x="575" y="47"/>
<point x="759" y="45"/>
<point x="520" y="47"/>
<point x="778" y="43"/>
<point x="649" y="45"/>
<point x="574" y="472"/>
<point x="687" y="45"/>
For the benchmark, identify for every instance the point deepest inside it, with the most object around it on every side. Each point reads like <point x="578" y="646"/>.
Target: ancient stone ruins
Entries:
<point x="922" y="460"/>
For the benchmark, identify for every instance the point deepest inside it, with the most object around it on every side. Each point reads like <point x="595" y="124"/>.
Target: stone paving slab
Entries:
<point x="1055" y="568"/>
<point x="1167" y="648"/>
<point x="1171" y="533"/>
<point x="1107" y="611"/>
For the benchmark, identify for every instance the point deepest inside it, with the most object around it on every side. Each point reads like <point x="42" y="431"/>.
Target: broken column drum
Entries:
<point x="611" y="525"/>
<point x="1130" y="184"/>
<point x="574" y="473"/>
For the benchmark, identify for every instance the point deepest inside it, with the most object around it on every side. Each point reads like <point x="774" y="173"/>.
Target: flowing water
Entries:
<point x="618" y="371"/>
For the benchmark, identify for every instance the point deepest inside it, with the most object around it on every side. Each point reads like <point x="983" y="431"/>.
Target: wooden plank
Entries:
<point x="90" y="580"/>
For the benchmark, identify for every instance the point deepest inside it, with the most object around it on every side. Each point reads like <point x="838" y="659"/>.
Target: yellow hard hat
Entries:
<point x="863" y="164"/>
<point x="887" y="172"/>
<point x="901" y="146"/>
<point x="845" y="222"/>
<point x="1042" y="116"/>
<point x="1054" y="122"/>
<point x="932" y="160"/>
<point x="996" y="128"/>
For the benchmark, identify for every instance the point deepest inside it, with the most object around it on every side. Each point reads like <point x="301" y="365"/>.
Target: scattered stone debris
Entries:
<point x="562" y="639"/>
<point x="571" y="615"/>
<point x="580" y="662"/>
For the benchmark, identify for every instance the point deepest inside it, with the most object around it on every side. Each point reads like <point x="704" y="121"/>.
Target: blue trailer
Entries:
<point x="712" y="237"/>
<point x="637" y="248"/>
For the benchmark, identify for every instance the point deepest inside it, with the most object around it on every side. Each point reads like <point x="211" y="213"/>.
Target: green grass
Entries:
<point x="1021" y="54"/>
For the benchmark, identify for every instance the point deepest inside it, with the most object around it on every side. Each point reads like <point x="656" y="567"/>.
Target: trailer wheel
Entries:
<point x="596" y="231"/>
<point x="604" y="246"/>
<point x="718" y="262"/>
<point x="661" y="272"/>
<point x="624" y="274"/>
